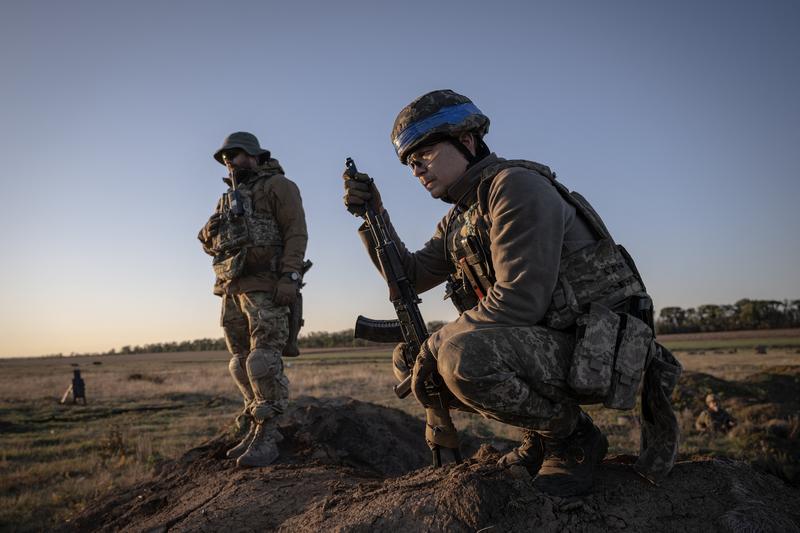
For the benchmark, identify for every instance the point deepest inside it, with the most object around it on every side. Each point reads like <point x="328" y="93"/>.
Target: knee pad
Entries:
<point x="237" y="369"/>
<point x="262" y="362"/>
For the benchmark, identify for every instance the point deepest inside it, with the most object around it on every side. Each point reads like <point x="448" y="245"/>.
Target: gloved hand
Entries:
<point x="358" y="191"/>
<point x="400" y="367"/>
<point x="211" y="228"/>
<point x="285" y="291"/>
<point x="424" y="366"/>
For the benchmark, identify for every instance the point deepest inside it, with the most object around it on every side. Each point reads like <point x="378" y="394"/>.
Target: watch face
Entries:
<point x="294" y="276"/>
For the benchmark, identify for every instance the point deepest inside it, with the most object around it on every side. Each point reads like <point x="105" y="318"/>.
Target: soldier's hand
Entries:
<point x="285" y="291"/>
<point x="213" y="222"/>
<point x="359" y="191"/>
<point x="212" y="226"/>
<point x="424" y="367"/>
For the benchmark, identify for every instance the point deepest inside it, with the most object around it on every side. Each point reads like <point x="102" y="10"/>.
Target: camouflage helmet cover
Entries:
<point x="245" y="141"/>
<point x="442" y="113"/>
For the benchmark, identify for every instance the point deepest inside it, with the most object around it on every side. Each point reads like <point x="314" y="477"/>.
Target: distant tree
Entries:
<point x="744" y="314"/>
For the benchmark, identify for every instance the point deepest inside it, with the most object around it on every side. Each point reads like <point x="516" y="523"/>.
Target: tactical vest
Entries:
<point x="599" y="292"/>
<point x="602" y="272"/>
<point x="242" y="226"/>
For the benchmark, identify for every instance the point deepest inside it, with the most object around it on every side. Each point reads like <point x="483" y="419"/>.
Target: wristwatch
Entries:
<point x="294" y="276"/>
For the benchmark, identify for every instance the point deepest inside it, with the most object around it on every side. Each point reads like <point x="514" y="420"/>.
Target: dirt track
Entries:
<point x="352" y="466"/>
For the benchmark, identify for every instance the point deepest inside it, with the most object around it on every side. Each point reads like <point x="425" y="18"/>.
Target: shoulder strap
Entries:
<point x="576" y="200"/>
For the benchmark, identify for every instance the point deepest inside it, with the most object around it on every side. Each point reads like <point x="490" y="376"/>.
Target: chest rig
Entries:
<point x="243" y="226"/>
<point x="602" y="272"/>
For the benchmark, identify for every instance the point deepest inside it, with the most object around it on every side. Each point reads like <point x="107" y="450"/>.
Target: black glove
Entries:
<point x="424" y="366"/>
<point x="285" y="291"/>
<point x="358" y="192"/>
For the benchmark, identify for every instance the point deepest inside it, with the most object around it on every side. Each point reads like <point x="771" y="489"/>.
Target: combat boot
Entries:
<point x="529" y="454"/>
<point x="263" y="449"/>
<point x="569" y="464"/>
<point x="240" y="448"/>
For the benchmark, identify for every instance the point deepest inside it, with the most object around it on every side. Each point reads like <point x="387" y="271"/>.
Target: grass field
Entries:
<point x="146" y="409"/>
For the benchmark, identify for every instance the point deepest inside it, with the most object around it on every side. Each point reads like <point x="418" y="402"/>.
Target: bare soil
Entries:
<point x="347" y="465"/>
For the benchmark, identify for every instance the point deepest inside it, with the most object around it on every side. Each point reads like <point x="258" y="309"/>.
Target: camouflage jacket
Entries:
<point x="273" y="201"/>
<point x="532" y="226"/>
<point x="719" y="421"/>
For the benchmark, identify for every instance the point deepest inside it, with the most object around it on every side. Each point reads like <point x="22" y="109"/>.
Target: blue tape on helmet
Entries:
<point x="447" y="115"/>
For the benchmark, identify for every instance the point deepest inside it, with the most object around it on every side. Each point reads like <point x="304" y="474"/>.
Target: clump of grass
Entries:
<point x="158" y="380"/>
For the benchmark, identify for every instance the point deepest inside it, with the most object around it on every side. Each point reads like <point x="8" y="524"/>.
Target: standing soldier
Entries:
<point x="552" y="313"/>
<point x="257" y="236"/>
<point x="77" y="388"/>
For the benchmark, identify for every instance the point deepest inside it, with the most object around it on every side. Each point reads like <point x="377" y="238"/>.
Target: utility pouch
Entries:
<point x="593" y="358"/>
<point x="233" y="234"/>
<point x="596" y="273"/>
<point x="632" y="355"/>
<point x="229" y="265"/>
<point x="660" y="428"/>
<point x="455" y="290"/>
<point x="473" y="265"/>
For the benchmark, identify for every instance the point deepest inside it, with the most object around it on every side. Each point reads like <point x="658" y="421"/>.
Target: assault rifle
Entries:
<point x="409" y="328"/>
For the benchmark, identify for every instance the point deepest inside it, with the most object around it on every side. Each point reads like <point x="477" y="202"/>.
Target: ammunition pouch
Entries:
<point x="474" y="266"/>
<point x="232" y="233"/>
<point x="597" y="273"/>
<point x="229" y="265"/>
<point x="611" y="353"/>
<point x="458" y="292"/>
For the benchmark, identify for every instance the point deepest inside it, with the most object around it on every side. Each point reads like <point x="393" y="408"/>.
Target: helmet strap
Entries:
<point x="481" y="150"/>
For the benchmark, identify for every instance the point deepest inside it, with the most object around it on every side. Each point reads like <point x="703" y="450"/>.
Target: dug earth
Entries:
<point x="347" y="465"/>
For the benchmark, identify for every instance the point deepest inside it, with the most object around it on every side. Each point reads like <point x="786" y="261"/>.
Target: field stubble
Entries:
<point x="144" y="410"/>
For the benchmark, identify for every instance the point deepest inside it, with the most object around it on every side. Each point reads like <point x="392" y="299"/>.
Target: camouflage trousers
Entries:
<point x="516" y="375"/>
<point x="256" y="331"/>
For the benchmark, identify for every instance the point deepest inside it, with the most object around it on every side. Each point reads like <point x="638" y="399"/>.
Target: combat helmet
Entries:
<point x="433" y="117"/>
<point x="245" y="141"/>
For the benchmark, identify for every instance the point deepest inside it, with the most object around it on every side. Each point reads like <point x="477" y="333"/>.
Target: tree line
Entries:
<point x="744" y="314"/>
<point x="315" y="339"/>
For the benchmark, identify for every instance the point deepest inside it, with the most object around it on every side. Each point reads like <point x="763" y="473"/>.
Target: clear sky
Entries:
<point x="680" y="121"/>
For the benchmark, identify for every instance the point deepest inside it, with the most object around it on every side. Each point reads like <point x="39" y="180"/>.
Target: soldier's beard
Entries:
<point x="242" y="175"/>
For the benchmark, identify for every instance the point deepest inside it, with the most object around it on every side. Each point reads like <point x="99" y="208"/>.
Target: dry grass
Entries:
<point x="146" y="409"/>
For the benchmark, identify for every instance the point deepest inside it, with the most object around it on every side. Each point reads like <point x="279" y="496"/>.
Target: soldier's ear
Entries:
<point x="469" y="142"/>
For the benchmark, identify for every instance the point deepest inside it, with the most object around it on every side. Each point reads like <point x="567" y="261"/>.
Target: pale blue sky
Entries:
<point x="679" y="121"/>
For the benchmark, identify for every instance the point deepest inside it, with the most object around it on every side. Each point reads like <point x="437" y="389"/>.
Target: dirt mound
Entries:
<point x="352" y="466"/>
<point x="778" y="385"/>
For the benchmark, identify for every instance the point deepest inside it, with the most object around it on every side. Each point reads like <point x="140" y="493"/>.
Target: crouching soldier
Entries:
<point x="552" y="313"/>
<point x="714" y="418"/>
<point x="257" y="237"/>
